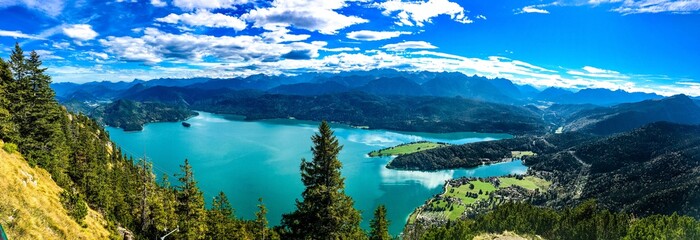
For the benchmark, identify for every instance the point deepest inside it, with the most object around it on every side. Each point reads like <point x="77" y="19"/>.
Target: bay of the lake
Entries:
<point x="248" y="160"/>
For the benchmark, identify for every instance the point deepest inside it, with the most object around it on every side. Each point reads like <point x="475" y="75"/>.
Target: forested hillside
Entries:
<point x="651" y="170"/>
<point x="625" y="117"/>
<point x="131" y="115"/>
<point x="476" y="154"/>
<point x="92" y="171"/>
<point x="585" y="221"/>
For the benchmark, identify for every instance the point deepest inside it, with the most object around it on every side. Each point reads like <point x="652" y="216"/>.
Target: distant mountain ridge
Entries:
<point x="383" y="82"/>
<point x="597" y="96"/>
<point x="623" y="117"/>
<point x="555" y="107"/>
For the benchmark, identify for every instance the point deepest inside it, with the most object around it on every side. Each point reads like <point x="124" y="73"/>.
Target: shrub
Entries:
<point x="10" y="148"/>
<point x="74" y="203"/>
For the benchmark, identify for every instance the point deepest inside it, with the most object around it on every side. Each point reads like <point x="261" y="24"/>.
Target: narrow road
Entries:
<point x="582" y="178"/>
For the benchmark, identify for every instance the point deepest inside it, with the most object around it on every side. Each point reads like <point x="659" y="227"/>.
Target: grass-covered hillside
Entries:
<point x="31" y="205"/>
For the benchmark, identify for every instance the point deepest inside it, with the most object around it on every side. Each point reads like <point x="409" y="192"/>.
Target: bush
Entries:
<point x="74" y="203"/>
<point x="10" y="148"/>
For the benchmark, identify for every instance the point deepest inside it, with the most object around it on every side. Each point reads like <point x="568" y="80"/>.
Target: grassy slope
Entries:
<point x="505" y="236"/>
<point x="529" y="182"/>
<point x="406" y="149"/>
<point x="521" y="154"/>
<point x="30" y="207"/>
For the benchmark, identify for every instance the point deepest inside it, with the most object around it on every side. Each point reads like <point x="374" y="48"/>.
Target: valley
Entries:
<point x="246" y="159"/>
<point x="415" y="152"/>
<point x="349" y="120"/>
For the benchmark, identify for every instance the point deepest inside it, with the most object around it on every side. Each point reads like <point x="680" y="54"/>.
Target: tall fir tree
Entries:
<point x="379" y="226"/>
<point x="220" y="219"/>
<point x="260" y="229"/>
<point x="190" y="205"/>
<point x="8" y="130"/>
<point x="164" y="207"/>
<point x="325" y="212"/>
<point x="38" y="117"/>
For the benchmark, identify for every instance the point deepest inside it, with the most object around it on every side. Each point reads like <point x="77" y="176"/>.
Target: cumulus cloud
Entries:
<point x="206" y="19"/>
<point x="156" y="46"/>
<point x="402" y="46"/>
<point x="533" y="9"/>
<point x="207" y="4"/>
<point x="313" y="15"/>
<point x="80" y="32"/>
<point x="158" y="3"/>
<point x="52" y="8"/>
<point x="280" y="34"/>
<point x="48" y="55"/>
<point x="410" y="13"/>
<point x="17" y="34"/>
<point x="97" y="55"/>
<point x="368" y="35"/>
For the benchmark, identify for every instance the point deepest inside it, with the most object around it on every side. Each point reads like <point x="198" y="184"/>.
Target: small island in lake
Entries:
<point x="407" y="148"/>
<point x="186" y="124"/>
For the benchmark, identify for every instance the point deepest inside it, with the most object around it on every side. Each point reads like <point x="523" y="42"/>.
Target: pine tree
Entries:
<point x="190" y="205"/>
<point x="379" y="225"/>
<point x="220" y="218"/>
<point x="164" y="205"/>
<point x="260" y="229"/>
<point x="8" y="130"/>
<point x="326" y="212"/>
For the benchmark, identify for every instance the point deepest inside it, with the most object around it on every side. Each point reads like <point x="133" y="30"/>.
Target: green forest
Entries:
<point x="81" y="158"/>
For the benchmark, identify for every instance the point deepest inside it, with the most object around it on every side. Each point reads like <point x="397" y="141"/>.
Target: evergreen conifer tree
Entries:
<point x="260" y="228"/>
<point x="325" y="212"/>
<point x="220" y="218"/>
<point x="190" y="205"/>
<point x="8" y="130"/>
<point x="379" y="225"/>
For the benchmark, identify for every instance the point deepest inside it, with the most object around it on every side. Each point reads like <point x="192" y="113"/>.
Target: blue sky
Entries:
<point x="646" y="45"/>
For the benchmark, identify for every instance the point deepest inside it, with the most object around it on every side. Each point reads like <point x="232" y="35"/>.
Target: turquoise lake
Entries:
<point x="252" y="159"/>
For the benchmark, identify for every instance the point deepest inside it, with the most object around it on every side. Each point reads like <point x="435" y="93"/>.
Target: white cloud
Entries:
<point x="658" y="6"/>
<point x="158" y="3"/>
<point x="482" y="17"/>
<point x="97" y="55"/>
<point x="367" y="35"/>
<point x="280" y="34"/>
<point x="80" y="32"/>
<point x="625" y="6"/>
<point x="533" y="9"/>
<point x="52" y="8"/>
<point x="206" y="19"/>
<point x="17" y="34"/>
<point x="47" y="55"/>
<point x="60" y="45"/>
<point x="312" y="15"/>
<point x="593" y="72"/>
<point x="402" y="46"/>
<point x="418" y="13"/>
<point x="207" y="4"/>
<point x="341" y="49"/>
<point x="156" y="46"/>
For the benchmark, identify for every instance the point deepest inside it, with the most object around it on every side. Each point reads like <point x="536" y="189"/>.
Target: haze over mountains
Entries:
<point x="378" y="82"/>
<point x="387" y="99"/>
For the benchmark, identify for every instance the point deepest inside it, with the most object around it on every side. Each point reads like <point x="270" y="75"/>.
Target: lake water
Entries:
<point x="248" y="160"/>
